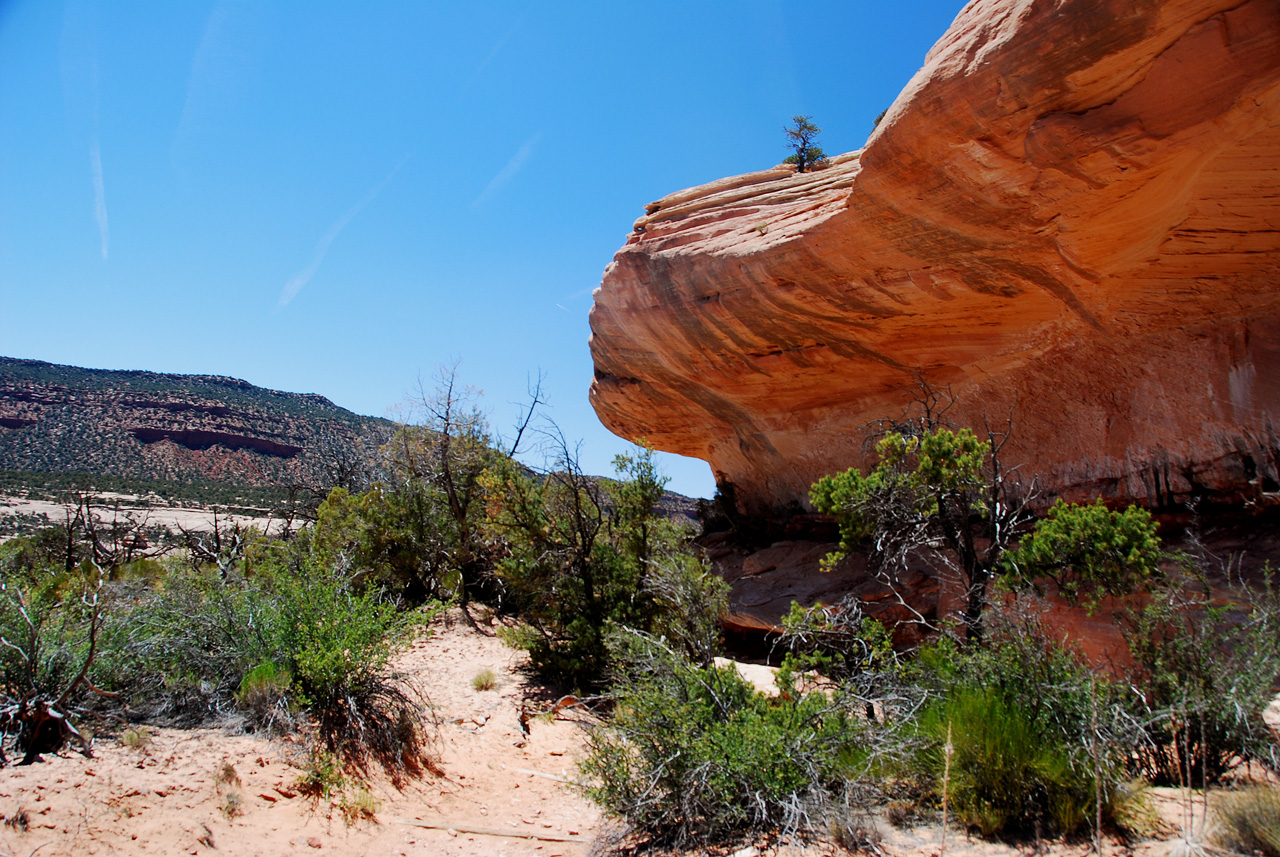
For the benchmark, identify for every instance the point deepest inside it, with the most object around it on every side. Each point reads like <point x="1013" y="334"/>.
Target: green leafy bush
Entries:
<point x="1089" y="551"/>
<point x="697" y="754"/>
<point x="336" y="643"/>
<point x="579" y="556"/>
<point x="838" y="641"/>
<point x="689" y="600"/>
<point x="936" y="491"/>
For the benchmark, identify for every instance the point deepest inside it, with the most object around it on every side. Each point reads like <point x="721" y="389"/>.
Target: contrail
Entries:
<point x="508" y="172"/>
<point x="222" y="69"/>
<point x="99" y="195"/>
<point x="79" y="64"/>
<point x="304" y="276"/>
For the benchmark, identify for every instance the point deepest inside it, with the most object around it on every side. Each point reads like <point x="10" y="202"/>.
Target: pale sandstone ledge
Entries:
<point x="1072" y="211"/>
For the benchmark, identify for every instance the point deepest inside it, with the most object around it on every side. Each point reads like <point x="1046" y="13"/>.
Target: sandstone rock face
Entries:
<point x="1071" y="213"/>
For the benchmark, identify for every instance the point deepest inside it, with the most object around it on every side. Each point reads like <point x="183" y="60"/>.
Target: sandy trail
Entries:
<point x="164" y="798"/>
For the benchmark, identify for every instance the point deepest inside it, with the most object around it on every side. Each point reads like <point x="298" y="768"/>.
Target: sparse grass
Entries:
<point x="325" y="780"/>
<point x="262" y="685"/>
<point x="18" y="820"/>
<point x="486" y="679"/>
<point x="322" y="777"/>
<point x="358" y="805"/>
<point x="1249" y="821"/>
<point x="226" y="775"/>
<point x="233" y="805"/>
<point x="136" y="738"/>
<point x="902" y="814"/>
<point x="1133" y="811"/>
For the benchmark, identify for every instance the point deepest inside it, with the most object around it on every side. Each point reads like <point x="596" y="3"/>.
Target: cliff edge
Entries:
<point x="1071" y="214"/>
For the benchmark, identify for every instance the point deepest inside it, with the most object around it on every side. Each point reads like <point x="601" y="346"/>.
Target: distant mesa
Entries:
<point x="1071" y="214"/>
<point x="151" y="426"/>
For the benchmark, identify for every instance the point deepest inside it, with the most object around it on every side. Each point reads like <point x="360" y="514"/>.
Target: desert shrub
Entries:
<point x="336" y="641"/>
<point x="435" y="467"/>
<point x="1009" y="773"/>
<point x="689" y="600"/>
<point x="1204" y="668"/>
<point x="1204" y="671"/>
<point x="1036" y="733"/>
<point x="393" y="538"/>
<point x="837" y="641"/>
<point x="484" y="680"/>
<point x="1023" y="662"/>
<point x="44" y="626"/>
<point x="579" y="556"/>
<point x="273" y="635"/>
<point x="336" y="644"/>
<point x="272" y="628"/>
<point x="182" y="648"/>
<point x="1249" y="821"/>
<point x="695" y="753"/>
<point x="50" y="630"/>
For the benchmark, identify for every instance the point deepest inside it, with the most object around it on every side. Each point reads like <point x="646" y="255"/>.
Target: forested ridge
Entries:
<point x="143" y="431"/>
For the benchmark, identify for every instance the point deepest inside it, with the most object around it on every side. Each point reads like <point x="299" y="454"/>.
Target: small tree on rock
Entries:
<point x="802" y="137"/>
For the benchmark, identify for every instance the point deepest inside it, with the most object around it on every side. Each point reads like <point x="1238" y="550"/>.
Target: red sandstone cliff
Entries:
<point x="1072" y="210"/>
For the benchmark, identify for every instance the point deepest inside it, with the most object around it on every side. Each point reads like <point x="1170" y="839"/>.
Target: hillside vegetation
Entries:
<point x="64" y="427"/>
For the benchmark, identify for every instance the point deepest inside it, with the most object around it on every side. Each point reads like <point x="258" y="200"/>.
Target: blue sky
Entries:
<point x="336" y="197"/>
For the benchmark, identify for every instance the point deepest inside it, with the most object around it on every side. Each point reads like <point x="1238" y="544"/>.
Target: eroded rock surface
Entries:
<point x="1072" y="212"/>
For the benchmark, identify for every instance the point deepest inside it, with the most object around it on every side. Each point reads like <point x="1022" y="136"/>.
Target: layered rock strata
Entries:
<point x="1070" y="214"/>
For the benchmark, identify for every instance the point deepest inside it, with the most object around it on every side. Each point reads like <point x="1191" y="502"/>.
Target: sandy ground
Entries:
<point x="164" y="798"/>
<point x="494" y="791"/>
<point x="172" y="518"/>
